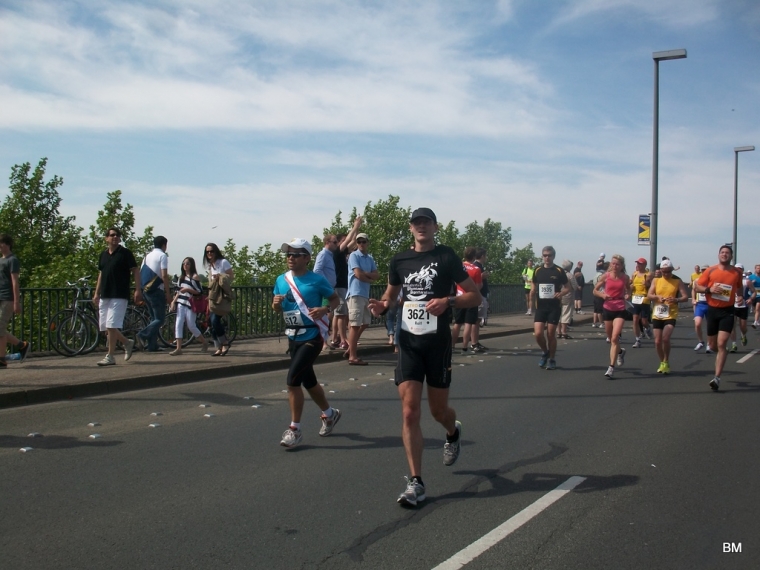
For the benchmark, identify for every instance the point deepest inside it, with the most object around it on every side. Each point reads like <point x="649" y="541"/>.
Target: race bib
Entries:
<point x="701" y="298"/>
<point x="661" y="311"/>
<point x="637" y="299"/>
<point x="725" y="292"/>
<point x="417" y="320"/>
<point x="293" y="319"/>
<point x="546" y="290"/>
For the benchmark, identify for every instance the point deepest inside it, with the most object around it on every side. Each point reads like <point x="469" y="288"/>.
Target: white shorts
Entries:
<point x="112" y="313"/>
<point x="358" y="312"/>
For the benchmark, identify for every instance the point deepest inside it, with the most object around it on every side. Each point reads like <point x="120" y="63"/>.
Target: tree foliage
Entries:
<point x="30" y="213"/>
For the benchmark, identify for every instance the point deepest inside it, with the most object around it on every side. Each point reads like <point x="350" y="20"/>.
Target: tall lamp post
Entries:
<point x="737" y="150"/>
<point x="657" y="56"/>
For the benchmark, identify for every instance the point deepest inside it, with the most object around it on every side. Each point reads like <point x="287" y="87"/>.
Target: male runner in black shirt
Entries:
<point x="427" y="275"/>
<point x="549" y="285"/>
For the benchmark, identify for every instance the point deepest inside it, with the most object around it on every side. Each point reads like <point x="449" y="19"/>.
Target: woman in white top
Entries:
<point x="189" y="285"/>
<point x="215" y="263"/>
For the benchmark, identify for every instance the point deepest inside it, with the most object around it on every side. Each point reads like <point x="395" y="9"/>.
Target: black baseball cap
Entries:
<point x="424" y="213"/>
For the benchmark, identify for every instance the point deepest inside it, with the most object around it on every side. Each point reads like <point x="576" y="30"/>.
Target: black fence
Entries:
<point x="252" y="309"/>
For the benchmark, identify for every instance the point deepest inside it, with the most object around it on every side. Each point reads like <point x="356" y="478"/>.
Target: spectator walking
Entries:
<point x="480" y="263"/>
<point x="10" y="300"/>
<point x="217" y="266"/>
<point x="154" y="276"/>
<point x="112" y="293"/>
<point x="190" y="289"/>
<point x="362" y="273"/>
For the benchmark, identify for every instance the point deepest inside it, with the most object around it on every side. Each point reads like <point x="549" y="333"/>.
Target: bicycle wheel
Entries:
<point x="134" y="321"/>
<point x="73" y="334"/>
<point x="96" y="337"/>
<point x="52" y="331"/>
<point x="167" y="332"/>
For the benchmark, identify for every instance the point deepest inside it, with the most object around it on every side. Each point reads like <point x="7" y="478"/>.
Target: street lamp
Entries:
<point x="737" y="150"/>
<point x="657" y="56"/>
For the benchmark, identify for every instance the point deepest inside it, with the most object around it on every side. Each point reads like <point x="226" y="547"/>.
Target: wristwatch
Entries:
<point x="452" y="301"/>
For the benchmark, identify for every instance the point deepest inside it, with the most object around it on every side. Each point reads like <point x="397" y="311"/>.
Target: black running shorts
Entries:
<point x="469" y="316"/>
<point x="548" y="313"/>
<point x="719" y="319"/>
<point x="302" y="358"/>
<point x="424" y="358"/>
<point x="660" y="324"/>
<point x="612" y="315"/>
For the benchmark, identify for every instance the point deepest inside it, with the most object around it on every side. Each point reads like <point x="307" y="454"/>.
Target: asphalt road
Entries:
<point x="670" y="469"/>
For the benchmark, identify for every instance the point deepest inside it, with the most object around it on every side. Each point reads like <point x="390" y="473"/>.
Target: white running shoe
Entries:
<point x="291" y="437"/>
<point x="329" y="423"/>
<point x="715" y="384"/>
<point x="414" y="493"/>
<point x="700" y="346"/>
<point x="620" y="357"/>
<point x="610" y="372"/>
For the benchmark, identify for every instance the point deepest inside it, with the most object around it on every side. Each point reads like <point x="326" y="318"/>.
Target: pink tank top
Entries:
<point x="615" y="288"/>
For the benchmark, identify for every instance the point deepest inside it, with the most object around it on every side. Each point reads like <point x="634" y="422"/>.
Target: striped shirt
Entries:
<point x="188" y="282"/>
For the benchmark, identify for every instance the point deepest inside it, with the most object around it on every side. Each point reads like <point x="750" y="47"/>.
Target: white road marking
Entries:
<point x="468" y="554"/>
<point x="744" y="359"/>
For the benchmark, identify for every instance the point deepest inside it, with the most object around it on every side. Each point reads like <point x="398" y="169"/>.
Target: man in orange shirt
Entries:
<point x="720" y="283"/>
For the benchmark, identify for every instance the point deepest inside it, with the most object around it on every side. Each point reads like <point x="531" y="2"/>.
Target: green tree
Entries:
<point x="30" y="214"/>
<point x="254" y="268"/>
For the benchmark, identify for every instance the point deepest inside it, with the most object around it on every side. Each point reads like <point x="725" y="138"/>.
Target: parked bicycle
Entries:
<point x="76" y="331"/>
<point x="166" y="331"/>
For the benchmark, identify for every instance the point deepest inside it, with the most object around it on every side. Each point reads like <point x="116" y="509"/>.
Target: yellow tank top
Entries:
<point x="665" y="288"/>
<point x="639" y="289"/>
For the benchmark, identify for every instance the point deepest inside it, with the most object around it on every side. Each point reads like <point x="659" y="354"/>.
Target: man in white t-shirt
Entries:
<point x="157" y="296"/>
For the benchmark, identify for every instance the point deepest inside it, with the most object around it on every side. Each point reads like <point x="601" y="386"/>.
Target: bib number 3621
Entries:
<point x="417" y="320"/>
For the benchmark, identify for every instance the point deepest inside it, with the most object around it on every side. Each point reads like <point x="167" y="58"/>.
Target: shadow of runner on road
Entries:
<point x="53" y="442"/>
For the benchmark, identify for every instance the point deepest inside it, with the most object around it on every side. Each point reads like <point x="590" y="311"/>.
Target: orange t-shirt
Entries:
<point x="730" y="281"/>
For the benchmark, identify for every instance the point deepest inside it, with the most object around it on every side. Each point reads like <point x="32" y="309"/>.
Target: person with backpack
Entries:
<point x="154" y="276"/>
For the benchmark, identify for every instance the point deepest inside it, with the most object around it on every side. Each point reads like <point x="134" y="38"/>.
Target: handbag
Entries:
<point x="199" y="304"/>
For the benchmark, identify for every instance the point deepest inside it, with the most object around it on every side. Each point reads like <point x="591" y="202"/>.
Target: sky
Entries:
<point x="260" y="120"/>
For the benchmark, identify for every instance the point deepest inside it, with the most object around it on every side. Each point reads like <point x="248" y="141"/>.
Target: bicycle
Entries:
<point x="77" y="329"/>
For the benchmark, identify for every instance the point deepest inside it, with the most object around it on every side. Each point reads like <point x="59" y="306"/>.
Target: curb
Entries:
<point x="107" y="387"/>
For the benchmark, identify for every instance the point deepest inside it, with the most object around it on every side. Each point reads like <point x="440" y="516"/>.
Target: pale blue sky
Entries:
<point x="266" y="118"/>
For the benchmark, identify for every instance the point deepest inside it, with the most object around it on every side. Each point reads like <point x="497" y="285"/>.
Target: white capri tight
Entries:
<point x="185" y="315"/>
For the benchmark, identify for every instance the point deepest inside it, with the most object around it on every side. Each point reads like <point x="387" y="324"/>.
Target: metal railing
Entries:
<point x="252" y="309"/>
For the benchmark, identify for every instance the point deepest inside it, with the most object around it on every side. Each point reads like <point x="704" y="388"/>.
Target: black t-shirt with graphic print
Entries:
<point x="427" y="275"/>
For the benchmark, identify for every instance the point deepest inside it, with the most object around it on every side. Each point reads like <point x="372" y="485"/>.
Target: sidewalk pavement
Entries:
<point x="52" y="378"/>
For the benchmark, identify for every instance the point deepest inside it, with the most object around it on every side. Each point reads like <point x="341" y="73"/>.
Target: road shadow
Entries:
<point x="53" y="442"/>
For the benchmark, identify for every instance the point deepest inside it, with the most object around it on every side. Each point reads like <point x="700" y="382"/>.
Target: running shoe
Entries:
<point x="610" y="372"/>
<point x="755" y="325"/>
<point x="744" y="340"/>
<point x="733" y="348"/>
<point x="715" y="384"/>
<point x="107" y="361"/>
<point x="475" y="348"/>
<point x="666" y="368"/>
<point x="544" y="358"/>
<point x="329" y="423"/>
<point x="414" y="493"/>
<point x="552" y="365"/>
<point x="608" y="340"/>
<point x="709" y="350"/>
<point x="482" y="348"/>
<point x="291" y="437"/>
<point x="700" y="346"/>
<point x="24" y="350"/>
<point x="464" y="350"/>
<point x="128" y="349"/>
<point x="620" y="358"/>
<point x="661" y="368"/>
<point x="648" y="332"/>
<point x="637" y="344"/>
<point x="451" y="449"/>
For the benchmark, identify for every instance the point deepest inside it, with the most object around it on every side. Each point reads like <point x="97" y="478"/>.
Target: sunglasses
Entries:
<point x="362" y="241"/>
<point x="295" y="254"/>
<point x="114" y="235"/>
<point x="547" y="255"/>
<point x="209" y="251"/>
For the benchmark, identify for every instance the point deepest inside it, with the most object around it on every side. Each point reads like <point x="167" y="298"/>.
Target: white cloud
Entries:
<point x="327" y="67"/>
<point x="672" y="13"/>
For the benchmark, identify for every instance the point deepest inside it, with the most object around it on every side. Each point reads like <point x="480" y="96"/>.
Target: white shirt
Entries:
<point x="157" y="260"/>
